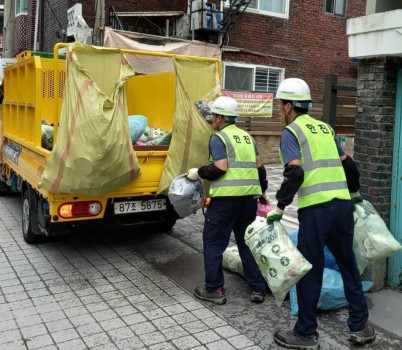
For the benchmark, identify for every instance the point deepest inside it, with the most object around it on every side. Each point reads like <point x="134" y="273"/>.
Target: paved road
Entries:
<point x="134" y="291"/>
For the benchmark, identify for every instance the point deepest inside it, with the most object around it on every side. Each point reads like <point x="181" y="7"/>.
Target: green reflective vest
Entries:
<point x="324" y="177"/>
<point x="241" y="177"/>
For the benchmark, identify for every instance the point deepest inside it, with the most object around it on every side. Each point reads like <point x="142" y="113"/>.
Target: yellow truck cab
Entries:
<point x="35" y="89"/>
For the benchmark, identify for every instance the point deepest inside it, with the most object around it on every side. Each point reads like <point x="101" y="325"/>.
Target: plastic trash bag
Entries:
<point x="278" y="259"/>
<point x="47" y="136"/>
<point x="263" y="208"/>
<point x="204" y="109"/>
<point x="186" y="196"/>
<point x="332" y="295"/>
<point x="329" y="263"/>
<point x="232" y="260"/>
<point x="137" y="125"/>
<point x="162" y="140"/>
<point x="372" y="240"/>
<point x="151" y="134"/>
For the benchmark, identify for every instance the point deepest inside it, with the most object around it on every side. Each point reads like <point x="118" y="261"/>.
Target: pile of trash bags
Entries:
<point x="282" y="265"/>
<point x="142" y="134"/>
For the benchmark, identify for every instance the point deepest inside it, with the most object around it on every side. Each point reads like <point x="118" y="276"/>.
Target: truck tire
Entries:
<point x="30" y="227"/>
<point x="170" y="218"/>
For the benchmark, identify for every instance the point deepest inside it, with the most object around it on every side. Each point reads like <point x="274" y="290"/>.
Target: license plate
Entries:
<point x="139" y="206"/>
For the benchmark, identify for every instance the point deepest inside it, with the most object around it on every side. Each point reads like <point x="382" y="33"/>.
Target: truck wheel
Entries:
<point x="169" y="221"/>
<point x="29" y="204"/>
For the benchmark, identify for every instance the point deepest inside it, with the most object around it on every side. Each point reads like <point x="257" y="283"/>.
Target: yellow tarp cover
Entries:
<point x="195" y="80"/>
<point x="93" y="153"/>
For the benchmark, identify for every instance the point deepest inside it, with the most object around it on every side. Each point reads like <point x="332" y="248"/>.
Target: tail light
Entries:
<point x="79" y="209"/>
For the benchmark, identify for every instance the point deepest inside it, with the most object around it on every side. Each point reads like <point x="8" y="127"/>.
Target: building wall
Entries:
<point x="58" y="8"/>
<point x="309" y="45"/>
<point x="374" y="139"/>
<point x="54" y="21"/>
<point x="20" y="37"/>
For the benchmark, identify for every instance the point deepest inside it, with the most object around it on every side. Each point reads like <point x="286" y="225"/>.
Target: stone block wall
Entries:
<point x="374" y="135"/>
<point x="374" y="140"/>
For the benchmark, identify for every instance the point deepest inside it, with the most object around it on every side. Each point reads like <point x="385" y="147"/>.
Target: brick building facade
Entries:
<point x="309" y="44"/>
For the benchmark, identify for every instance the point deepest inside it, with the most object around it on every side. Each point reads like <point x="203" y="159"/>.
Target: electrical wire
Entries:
<point x="51" y="9"/>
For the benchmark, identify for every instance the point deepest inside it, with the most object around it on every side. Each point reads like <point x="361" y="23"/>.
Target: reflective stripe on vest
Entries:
<point x="324" y="177"/>
<point x="241" y="177"/>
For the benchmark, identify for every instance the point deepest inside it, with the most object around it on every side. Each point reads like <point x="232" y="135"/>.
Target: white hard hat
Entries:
<point x="294" y="89"/>
<point x="226" y="106"/>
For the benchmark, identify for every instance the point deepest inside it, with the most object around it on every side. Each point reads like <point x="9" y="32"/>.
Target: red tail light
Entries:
<point x="79" y="209"/>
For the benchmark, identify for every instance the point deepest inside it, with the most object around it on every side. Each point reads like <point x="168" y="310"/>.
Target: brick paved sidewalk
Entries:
<point x="71" y="294"/>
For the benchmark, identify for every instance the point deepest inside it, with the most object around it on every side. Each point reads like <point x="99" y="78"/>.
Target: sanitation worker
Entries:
<point x="238" y="178"/>
<point x="327" y="183"/>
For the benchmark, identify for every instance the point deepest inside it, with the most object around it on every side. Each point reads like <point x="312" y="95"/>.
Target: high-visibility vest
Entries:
<point x="241" y="177"/>
<point x="324" y="177"/>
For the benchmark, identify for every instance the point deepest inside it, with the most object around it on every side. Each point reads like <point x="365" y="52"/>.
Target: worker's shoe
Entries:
<point x="366" y="335"/>
<point x="217" y="296"/>
<point x="292" y="340"/>
<point x="258" y="297"/>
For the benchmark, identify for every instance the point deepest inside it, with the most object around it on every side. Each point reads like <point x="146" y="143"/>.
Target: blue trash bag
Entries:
<point x="137" y="125"/>
<point x="330" y="262"/>
<point x="332" y="295"/>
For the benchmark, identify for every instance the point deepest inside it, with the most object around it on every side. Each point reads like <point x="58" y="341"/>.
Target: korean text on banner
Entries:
<point x="253" y="104"/>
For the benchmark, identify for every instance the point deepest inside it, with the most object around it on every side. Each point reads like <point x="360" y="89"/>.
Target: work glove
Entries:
<point x="356" y="197"/>
<point x="274" y="215"/>
<point x="264" y="199"/>
<point x="192" y="174"/>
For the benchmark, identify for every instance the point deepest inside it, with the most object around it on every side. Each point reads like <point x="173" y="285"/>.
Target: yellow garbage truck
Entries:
<point x="68" y="145"/>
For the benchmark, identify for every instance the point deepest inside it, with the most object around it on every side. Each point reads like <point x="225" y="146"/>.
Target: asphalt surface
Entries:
<point x="93" y="290"/>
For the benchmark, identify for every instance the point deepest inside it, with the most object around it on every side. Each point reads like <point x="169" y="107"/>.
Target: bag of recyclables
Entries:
<point x="332" y="295"/>
<point x="278" y="259"/>
<point x="186" y="196"/>
<point x="372" y="240"/>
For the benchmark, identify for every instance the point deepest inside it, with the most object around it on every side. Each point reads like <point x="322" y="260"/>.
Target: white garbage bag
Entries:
<point x="278" y="259"/>
<point x="372" y="240"/>
<point x="186" y="196"/>
<point x="232" y="260"/>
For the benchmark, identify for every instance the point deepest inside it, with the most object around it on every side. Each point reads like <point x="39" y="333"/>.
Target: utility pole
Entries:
<point x="35" y="45"/>
<point x="99" y="22"/>
<point x="9" y="28"/>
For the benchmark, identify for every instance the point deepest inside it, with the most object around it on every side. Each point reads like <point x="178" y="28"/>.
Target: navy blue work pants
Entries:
<point x="328" y="224"/>
<point x="223" y="215"/>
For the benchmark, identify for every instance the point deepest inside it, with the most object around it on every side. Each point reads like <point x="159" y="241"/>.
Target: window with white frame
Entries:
<point x="336" y="7"/>
<point x="248" y="77"/>
<point x="21" y="7"/>
<point x="276" y="8"/>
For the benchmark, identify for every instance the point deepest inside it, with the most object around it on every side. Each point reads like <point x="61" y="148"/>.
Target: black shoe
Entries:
<point x="291" y="340"/>
<point x="217" y="296"/>
<point x="366" y="335"/>
<point x="257" y="297"/>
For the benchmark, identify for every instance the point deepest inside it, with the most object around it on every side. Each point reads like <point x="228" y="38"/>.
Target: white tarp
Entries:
<point x="148" y="64"/>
